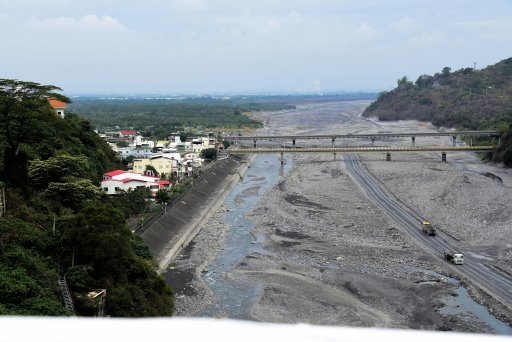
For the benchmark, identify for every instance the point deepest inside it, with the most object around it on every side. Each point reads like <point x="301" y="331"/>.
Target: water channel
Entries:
<point x="235" y="296"/>
<point x="462" y="304"/>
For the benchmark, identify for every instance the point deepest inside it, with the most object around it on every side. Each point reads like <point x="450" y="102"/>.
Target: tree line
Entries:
<point x="166" y="116"/>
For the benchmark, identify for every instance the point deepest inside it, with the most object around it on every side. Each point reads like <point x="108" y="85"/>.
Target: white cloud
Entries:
<point x="429" y="38"/>
<point x="404" y="24"/>
<point x="486" y="24"/>
<point x="86" y="22"/>
<point x="188" y="4"/>
<point x="368" y="31"/>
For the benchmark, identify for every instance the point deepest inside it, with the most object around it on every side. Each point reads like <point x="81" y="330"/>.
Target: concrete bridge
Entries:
<point x="362" y="149"/>
<point x="371" y="136"/>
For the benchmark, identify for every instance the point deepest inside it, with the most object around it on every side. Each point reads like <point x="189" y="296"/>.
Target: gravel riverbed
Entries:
<point x="333" y="258"/>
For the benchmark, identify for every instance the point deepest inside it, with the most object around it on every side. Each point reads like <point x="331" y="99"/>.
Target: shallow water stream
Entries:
<point x="235" y="296"/>
<point x="463" y="305"/>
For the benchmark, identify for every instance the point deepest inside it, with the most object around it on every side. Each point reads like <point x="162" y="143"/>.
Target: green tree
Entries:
<point x="24" y="112"/>
<point x="403" y="82"/>
<point x="423" y="80"/>
<point x="162" y="196"/>
<point x="209" y="153"/>
<point x="226" y="144"/>
<point x="73" y="193"/>
<point x="56" y="169"/>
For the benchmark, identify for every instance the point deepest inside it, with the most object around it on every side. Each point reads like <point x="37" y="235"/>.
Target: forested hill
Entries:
<point x="464" y="99"/>
<point x="55" y="221"/>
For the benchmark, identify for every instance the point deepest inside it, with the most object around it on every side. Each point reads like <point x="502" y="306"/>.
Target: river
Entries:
<point x="235" y="296"/>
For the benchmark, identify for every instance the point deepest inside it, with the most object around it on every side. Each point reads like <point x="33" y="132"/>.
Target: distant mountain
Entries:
<point x="464" y="99"/>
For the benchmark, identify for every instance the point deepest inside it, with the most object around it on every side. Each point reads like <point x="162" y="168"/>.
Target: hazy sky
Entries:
<point x="211" y="46"/>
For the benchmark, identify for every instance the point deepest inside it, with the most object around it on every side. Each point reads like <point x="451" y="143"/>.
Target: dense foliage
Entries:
<point x="209" y="153"/>
<point x="57" y="220"/>
<point x="160" y="117"/>
<point x="464" y="99"/>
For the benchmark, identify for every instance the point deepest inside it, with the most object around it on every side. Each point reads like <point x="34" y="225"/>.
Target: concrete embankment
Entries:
<point x="170" y="233"/>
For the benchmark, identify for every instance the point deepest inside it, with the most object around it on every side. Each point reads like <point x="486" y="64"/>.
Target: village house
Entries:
<point x="138" y="148"/>
<point x="161" y="163"/>
<point x="161" y="144"/>
<point x="119" y="181"/>
<point x="127" y="133"/>
<point x="174" y="141"/>
<point x="125" y="152"/>
<point x="58" y="106"/>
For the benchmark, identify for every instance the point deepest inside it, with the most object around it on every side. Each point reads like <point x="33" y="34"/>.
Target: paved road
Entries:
<point x="495" y="283"/>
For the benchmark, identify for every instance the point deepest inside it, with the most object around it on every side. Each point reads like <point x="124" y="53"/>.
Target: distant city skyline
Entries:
<point x="253" y="46"/>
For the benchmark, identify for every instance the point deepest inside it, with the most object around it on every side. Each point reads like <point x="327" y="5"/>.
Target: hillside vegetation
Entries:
<point x="58" y="222"/>
<point x="464" y="99"/>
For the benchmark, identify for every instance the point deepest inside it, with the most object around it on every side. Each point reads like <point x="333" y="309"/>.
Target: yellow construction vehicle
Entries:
<point x="427" y="228"/>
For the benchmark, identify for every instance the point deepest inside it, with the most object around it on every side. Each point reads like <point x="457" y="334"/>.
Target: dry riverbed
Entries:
<point x="332" y="257"/>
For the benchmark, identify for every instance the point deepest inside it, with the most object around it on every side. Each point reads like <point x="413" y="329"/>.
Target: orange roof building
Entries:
<point x="58" y="106"/>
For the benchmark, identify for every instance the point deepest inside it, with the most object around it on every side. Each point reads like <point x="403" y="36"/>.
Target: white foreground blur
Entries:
<point x="45" y="329"/>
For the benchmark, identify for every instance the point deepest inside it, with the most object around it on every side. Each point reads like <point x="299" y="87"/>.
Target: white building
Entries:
<point x="119" y="181"/>
<point x="125" y="152"/>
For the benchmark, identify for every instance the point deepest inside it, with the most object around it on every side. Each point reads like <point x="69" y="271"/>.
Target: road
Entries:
<point x="492" y="281"/>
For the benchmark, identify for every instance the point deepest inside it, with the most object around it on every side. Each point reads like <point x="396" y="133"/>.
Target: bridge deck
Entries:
<point x="364" y="135"/>
<point x="360" y="149"/>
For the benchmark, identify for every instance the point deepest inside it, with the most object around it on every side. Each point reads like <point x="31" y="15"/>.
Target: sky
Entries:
<point x="246" y="46"/>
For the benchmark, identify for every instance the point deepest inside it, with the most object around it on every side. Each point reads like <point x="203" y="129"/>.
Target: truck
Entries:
<point x="427" y="228"/>
<point x="454" y="258"/>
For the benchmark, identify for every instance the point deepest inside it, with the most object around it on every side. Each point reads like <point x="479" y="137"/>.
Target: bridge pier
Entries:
<point x="332" y="141"/>
<point x="454" y="138"/>
<point x="282" y="158"/>
<point x="443" y="157"/>
<point x="293" y="142"/>
<point x="334" y="153"/>
<point x="413" y="141"/>
<point x="388" y="156"/>
<point x="373" y="141"/>
<point x="254" y="143"/>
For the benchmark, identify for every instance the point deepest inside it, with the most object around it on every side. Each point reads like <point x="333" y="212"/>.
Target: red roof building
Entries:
<point x="127" y="133"/>
<point x="120" y="181"/>
<point x="58" y="106"/>
<point x="111" y="174"/>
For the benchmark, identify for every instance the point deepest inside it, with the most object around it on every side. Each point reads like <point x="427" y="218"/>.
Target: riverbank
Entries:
<point x="172" y="232"/>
